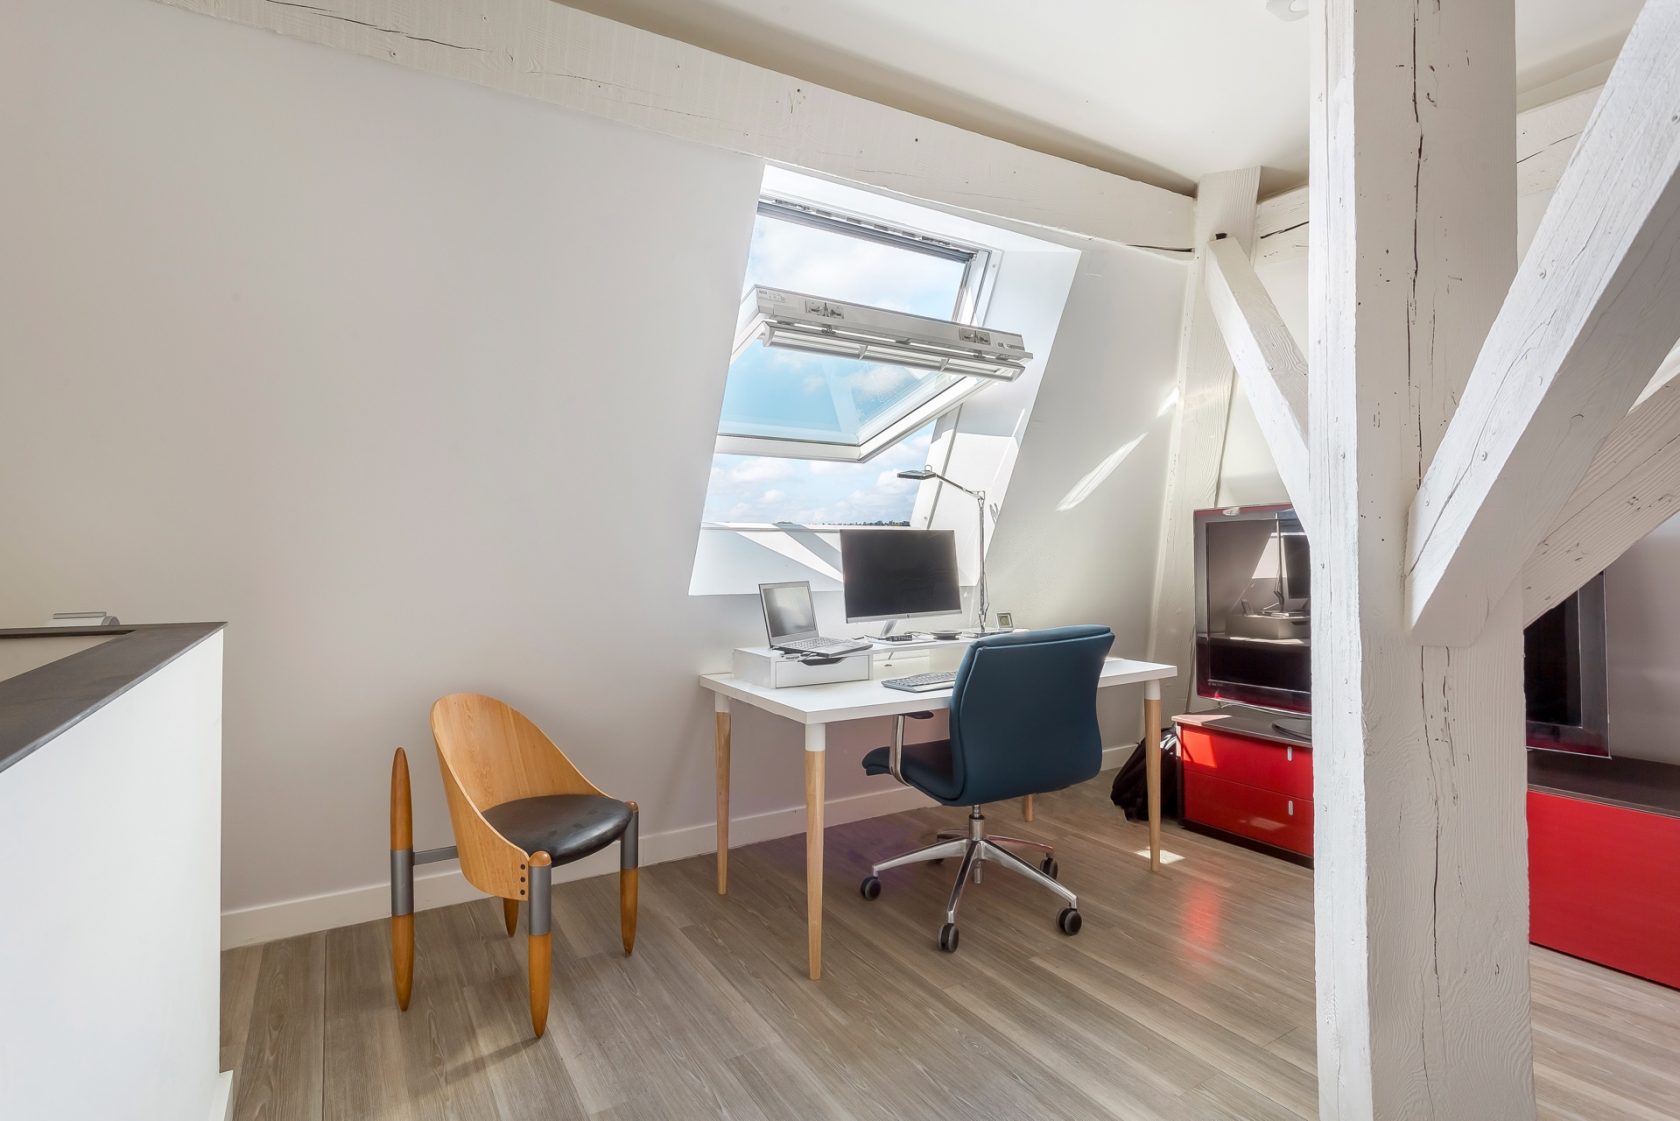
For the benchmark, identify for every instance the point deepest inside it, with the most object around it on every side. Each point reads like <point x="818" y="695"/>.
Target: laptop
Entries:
<point x="790" y="619"/>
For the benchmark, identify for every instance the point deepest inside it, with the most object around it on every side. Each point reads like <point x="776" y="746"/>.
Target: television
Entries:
<point x="1254" y="631"/>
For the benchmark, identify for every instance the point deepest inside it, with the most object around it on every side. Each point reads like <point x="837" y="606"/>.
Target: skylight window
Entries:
<point x="853" y="336"/>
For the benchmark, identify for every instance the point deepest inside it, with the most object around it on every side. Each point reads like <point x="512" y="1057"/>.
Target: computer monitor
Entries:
<point x="899" y="573"/>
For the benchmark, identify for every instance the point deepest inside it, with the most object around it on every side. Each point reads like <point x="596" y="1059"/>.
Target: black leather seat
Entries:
<point x="566" y="826"/>
<point x="925" y="765"/>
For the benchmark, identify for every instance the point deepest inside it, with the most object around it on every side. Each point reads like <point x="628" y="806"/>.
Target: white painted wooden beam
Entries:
<point x="1280" y="227"/>
<point x="1224" y="204"/>
<point x="1546" y="137"/>
<point x="1269" y="364"/>
<point x="1420" y="880"/>
<point x="545" y="50"/>
<point x="1632" y="487"/>
<point x="1593" y="310"/>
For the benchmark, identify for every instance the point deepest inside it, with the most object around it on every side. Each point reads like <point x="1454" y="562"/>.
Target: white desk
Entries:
<point x="818" y="706"/>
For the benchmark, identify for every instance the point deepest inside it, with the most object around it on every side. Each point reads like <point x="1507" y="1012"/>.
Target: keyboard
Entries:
<point x="824" y="646"/>
<point x="921" y="682"/>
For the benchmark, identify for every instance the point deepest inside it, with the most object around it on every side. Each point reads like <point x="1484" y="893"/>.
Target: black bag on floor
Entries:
<point x="1131" y="789"/>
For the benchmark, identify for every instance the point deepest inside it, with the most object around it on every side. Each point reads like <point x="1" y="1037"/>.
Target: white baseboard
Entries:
<point x="221" y="1098"/>
<point x="443" y="884"/>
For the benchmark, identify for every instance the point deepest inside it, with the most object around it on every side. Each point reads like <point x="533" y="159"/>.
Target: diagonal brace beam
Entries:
<point x="1269" y="364"/>
<point x="1594" y="308"/>
<point x="1632" y="487"/>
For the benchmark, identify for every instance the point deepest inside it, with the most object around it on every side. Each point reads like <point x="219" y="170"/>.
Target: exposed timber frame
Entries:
<point x="587" y="63"/>
<point x="1421" y="879"/>
<point x="1224" y="206"/>
<point x="1546" y="137"/>
<point x="1269" y="364"/>
<point x="1593" y="310"/>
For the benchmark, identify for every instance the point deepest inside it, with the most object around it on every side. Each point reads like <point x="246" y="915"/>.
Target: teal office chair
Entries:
<point x="1023" y="721"/>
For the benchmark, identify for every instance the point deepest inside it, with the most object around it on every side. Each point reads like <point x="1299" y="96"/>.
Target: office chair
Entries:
<point x="518" y="807"/>
<point x="1023" y="721"/>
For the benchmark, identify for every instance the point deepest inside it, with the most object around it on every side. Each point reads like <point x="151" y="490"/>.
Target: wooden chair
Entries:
<point x="518" y="807"/>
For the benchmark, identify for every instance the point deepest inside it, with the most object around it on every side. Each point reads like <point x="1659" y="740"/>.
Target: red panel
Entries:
<point x="1603" y="884"/>
<point x="1268" y="766"/>
<point x="1261" y="815"/>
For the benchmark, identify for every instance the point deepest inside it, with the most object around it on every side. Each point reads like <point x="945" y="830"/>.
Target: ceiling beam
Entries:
<point x="1268" y="363"/>
<point x="547" y="51"/>
<point x="1592" y="312"/>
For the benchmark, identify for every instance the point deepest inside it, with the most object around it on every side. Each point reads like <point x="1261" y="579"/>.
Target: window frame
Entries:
<point x="973" y="294"/>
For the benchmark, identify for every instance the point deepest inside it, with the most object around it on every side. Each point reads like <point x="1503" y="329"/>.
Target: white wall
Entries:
<point x="350" y="357"/>
<point x="109" y="960"/>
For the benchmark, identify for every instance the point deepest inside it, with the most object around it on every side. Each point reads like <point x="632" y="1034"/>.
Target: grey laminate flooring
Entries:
<point x="1187" y="997"/>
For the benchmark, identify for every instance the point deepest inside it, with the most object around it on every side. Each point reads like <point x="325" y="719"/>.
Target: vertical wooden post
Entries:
<point x="1224" y="204"/>
<point x="402" y="880"/>
<point x="720" y="740"/>
<point x="1027" y="808"/>
<point x="816" y="767"/>
<point x="1152" y="767"/>
<point x="539" y="961"/>
<point x="629" y="876"/>
<point x="1421" y="870"/>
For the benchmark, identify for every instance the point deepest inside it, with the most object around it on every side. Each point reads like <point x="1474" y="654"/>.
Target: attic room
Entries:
<point x="1106" y="559"/>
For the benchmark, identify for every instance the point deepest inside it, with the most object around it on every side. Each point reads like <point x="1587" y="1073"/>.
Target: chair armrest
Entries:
<point x="895" y="757"/>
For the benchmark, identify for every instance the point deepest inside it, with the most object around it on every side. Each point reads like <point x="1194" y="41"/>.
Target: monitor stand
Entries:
<point x="888" y="636"/>
<point x="1299" y="728"/>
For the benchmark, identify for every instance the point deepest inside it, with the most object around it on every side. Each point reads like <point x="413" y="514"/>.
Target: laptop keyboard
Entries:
<point x="822" y="645"/>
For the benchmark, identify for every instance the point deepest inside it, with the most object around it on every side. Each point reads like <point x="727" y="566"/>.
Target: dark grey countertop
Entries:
<point x="37" y="705"/>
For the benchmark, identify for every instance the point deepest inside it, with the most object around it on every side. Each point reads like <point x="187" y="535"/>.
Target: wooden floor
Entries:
<point x="1187" y="997"/>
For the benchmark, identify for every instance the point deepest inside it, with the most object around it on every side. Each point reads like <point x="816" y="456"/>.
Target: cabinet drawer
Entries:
<point x="1231" y="758"/>
<point x="1260" y="815"/>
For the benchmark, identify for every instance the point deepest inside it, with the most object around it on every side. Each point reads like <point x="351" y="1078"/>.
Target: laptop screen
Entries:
<point x="788" y="611"/>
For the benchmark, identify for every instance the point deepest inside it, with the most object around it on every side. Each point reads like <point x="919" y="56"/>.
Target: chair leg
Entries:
<point x="1015" y="864"/>
<point x="939" y="851"/>
<point x="539" y="912"/>
<point x="970" y="863"/>
<point x="510" y="915"/>
<point x="628" y="873"/>
<point x="402" y="881"/>
<point x="1022" y="842"/>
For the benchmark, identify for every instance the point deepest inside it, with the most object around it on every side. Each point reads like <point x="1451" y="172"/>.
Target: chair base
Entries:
<point x="975" y="849"/>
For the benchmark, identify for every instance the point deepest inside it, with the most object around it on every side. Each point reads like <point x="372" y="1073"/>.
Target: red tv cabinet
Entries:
<point x="1603" y="835"/>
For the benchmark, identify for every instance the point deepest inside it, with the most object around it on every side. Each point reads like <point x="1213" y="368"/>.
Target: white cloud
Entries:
<point x="761" y="469"/>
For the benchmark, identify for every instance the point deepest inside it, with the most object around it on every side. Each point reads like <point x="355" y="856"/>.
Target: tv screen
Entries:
<point x="1254" y="631"/>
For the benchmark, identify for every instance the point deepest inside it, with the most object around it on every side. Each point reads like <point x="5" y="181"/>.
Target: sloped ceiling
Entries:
<point x="1159" y="90"/>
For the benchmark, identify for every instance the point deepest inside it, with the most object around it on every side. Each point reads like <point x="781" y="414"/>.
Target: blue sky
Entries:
<point x="771" y="389"/>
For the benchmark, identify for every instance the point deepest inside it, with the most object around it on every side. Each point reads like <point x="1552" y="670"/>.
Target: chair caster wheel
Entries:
<point x="1049" y="867"/>
<point x="1069" y="920"/>
<point x="870" y="888"/>
<point x="948" y="938"/>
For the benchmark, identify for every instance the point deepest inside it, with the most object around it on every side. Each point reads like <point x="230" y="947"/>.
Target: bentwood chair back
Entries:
<point x="518" y="807"/>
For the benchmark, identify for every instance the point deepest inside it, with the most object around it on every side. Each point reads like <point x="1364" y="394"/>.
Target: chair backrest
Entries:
<point x="1024" y="712"/>
<point x="490" y="753"/>
<point x="496" y="754"/>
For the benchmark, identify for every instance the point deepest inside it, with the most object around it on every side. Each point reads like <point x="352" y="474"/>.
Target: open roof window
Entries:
<point x="854" y="335"/>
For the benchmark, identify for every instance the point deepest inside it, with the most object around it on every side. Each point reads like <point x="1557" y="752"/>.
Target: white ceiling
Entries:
<point x="1161" y="90"/>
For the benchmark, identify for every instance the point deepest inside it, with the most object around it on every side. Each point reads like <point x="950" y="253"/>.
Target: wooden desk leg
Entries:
<point x="1027" y="808"/>
<point x="721" y="742"/>
<point x="1152" y="767"/>
<point x="816" y="767"/>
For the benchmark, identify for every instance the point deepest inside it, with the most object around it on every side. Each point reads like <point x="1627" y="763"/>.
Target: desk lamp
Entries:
<point x="922" y="474"/>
